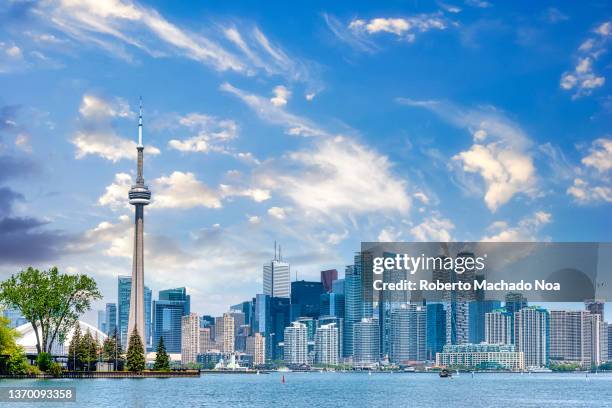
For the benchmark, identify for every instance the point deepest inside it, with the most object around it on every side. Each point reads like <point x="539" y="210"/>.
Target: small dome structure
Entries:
<point x="27" y="338"/>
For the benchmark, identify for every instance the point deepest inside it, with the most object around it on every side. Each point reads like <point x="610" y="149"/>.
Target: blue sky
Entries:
<point x="315" y="124"/>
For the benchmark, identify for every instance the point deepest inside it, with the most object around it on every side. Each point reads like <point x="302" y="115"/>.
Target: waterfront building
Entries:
<point x="272" y="315"/>
<point x="206" y="341"/>
<point x="326" y="344"/>
<point x="277" y="277"/>
<point x="111" y="318"/>
<point x="327" y="279"/>
<point x="355" y="306"/>
<point x="366" y="343"/>
<point x="498" y="327"/>
<point x="481" y="356"/>
<point x="476" y="316"/>
<point x="190" y="338"/>
<point x="576" y="336"/>
<point x="436" y="329"/>
<point x="148" y="302"/>
<point x="177" y="295"/>
<point x="457" y="304"/>
<point x="332" y="304"/>
<point x="139" y="197"/>
<point x="408" y="334"/>
<point x="388" y="301"/>
<point x="306" y="297"/>
<point x="531" y="335"/>
<point x="339" y="322"/>
<point x="102" y="321"/>
<point x="256" y="347"/>
<point x="296" y="344"/>
<point x="228" y="333"/>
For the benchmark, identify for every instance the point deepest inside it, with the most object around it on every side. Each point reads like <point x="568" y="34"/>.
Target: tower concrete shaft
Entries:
<point x="139" y="196"/>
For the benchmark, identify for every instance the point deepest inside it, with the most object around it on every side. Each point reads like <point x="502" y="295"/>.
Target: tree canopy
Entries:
<point x="52" y="302"/>
<point x="162" y="359"/>
<point x="135" y="354"/>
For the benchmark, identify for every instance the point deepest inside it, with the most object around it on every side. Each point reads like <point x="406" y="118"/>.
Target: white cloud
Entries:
<point x="256" y="194"/>
<point x="592" y="182"/>
<point x="122" y="26"/>
<point x="600" y="155"/>
<point x="95" y="107"/>
<point x="116" y="193"/>
<point x="402" y="27"/>
<point x="422" y="197"/>
<point x="254" y="219"/>
<point x="183" y="190"/>
<point x="281" y="96"/>
<point x="211" y="133"/>
<point x="266" y="110"/>
<point x="582" y="79"/>
<point x="338" y="177"/>
<point x="433" y="228"/>
<point x="526" y="229"/>
<point x="478" y="3"/>
<point x="389" y="234"/>
<point x="11" y="58"/>
<point x="500" y="152"/>
<point x="336" y="237"/>
<point x="277" y="212"/>
<point x="97" y="136"/>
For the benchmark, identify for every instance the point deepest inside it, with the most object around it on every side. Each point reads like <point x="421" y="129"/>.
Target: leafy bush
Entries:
<point x="32" y="370"/>
<point x="44" y="361"/>
<point x="55" y="369"/>
<point x="17" y="363"/>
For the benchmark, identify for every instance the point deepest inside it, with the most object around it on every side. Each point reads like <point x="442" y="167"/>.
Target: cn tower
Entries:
<point x="139" y="197"/>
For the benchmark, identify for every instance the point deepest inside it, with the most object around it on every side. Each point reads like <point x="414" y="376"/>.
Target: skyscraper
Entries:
<point x="167" y="323"/>
<point x="498" y="327"/>
<point x="476" y="317"/>
<point x="102" y="320"/>
<point x="277" y="277"/>
<point x="408" y="333"/>
<point x="436" y="329"/>
<point x="339" y="322"/>
<point x="228" y="333"/>
<point x="206" y="342"/>
<point x="139" y="196"/>
<point x="124" y="284"/>
<point x="326" y="344"/>
<point x="366" y="343"/>
<point x="332" y="304"/>
<point x="256" y="347"/>
<point x="124" y="289"/>
<point x="531" y="335"/>
<point x="296" y="344"/>
<point x="353" y="309"/>
<point x="327" y="278"/>
<point x="457" y="305"/>
<point x="575" y="337"/>
<point x="190" y="338"/>
<point x="307" y="297"/>
<point x="111" y="318"/>
<point x="514" y="302"/>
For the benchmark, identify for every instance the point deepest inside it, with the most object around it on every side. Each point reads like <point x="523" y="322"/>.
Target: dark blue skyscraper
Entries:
<point x="436" y="329"/>
<point x="172" y="305"/>
<point x="476" y="318"/>
<point x="111" y="318"/>
<point x="306" y="296"/>
<point x="272" y="315"/>
<point x="124" y="286"/>
<point x="332" y="304"/>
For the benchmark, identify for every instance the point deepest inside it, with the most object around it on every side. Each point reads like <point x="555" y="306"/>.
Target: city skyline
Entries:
<point x="248" y="143"/>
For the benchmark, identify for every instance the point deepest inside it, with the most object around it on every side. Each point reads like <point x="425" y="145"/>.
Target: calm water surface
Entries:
<point x="337" y="390"/>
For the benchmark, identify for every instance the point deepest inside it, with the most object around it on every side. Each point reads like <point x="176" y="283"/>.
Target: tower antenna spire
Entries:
<point x="140" y="124"/>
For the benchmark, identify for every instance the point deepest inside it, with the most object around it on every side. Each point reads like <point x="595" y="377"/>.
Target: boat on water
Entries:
<point x="409" y="370"/>
<point x="444" y="373"/>
<point x="539" y="370"/>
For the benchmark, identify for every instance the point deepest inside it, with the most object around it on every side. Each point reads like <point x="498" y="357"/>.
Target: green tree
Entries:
<point x="135" y="353"/>
<point x="12" y="357"/>
<point x="111" y="350"/>
<point x="44" y="361"/>
<point x="74" y="349"/>
<point x="88" y="351"/>
<point x="52" y="302"/>
<point x="162" y="359"/>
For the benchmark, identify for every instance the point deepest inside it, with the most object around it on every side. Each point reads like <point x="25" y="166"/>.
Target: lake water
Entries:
<point x="336" y="390"/>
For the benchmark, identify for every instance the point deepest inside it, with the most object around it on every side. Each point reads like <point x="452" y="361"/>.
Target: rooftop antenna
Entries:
<point x="140" y="124"/>
<point x="280" y="255"/>
<point x="275" y="250"/>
